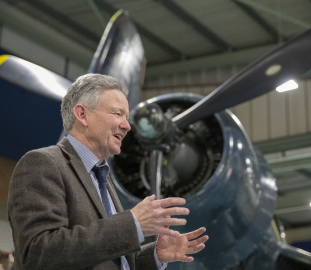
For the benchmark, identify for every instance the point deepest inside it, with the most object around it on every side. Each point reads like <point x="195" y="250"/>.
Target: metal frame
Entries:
<point x="50" y="11"/>
<point x="196" y="25"/>
<point x="260" y="20"/>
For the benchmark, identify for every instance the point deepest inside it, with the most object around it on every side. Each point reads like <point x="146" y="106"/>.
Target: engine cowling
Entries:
<point x="228" y="186"/>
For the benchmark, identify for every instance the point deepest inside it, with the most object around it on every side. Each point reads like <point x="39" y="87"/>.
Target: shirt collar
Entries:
<point x="89" y="159"/>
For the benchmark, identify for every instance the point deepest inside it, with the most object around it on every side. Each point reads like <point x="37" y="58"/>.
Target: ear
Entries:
<point x="80" y="113"/>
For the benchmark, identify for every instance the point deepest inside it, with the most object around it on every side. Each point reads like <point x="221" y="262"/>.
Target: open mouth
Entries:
<point x="118" y="136"/>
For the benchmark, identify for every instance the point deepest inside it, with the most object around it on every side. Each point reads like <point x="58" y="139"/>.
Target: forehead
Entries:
<point x="113" y="98"/>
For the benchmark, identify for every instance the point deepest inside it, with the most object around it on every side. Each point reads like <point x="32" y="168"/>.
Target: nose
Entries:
<point x="125" y="125"/>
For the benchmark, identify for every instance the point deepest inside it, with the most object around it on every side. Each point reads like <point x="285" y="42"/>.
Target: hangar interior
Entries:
<point x="191" y="46"/>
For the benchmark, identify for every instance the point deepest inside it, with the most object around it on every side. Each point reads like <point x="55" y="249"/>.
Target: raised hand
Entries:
<point x="172" y="249"/>
<point x="151" y="215"/>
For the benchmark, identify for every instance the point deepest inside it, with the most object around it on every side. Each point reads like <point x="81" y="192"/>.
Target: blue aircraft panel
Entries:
<point x="28" y="121"/>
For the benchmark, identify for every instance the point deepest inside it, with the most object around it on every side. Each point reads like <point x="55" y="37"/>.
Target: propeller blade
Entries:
<point x="120" y="54"/>
<point x="286" y="62"/>
<point x="156" y="166"/>
<point x="33" y="77"/>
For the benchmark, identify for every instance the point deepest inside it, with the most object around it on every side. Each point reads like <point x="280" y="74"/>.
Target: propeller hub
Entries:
<point x="149" y="121"/>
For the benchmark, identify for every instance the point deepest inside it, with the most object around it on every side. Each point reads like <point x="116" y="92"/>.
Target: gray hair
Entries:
<point x="87" y="90"/>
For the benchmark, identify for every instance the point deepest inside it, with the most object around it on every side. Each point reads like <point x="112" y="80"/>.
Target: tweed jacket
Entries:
<point x="59" y="221"/>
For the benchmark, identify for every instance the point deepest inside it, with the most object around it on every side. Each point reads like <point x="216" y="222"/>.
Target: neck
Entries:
<point x="83" y="139"/>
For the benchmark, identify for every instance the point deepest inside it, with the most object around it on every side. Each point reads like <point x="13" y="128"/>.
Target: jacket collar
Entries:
<point x="82" y="174"/>
<point x="85" y="178"/>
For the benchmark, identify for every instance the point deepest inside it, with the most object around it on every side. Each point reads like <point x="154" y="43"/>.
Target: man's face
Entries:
<point x="108" y="125"/>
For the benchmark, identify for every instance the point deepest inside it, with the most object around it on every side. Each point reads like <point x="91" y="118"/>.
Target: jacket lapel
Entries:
<point x="82" y="174"/>
<point x="114" y="196"/>
<point x="86" y="180"/>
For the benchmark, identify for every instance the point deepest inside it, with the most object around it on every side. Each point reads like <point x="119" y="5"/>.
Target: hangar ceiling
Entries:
<point x="179" y="32"/>
<point x="182" y="36"/>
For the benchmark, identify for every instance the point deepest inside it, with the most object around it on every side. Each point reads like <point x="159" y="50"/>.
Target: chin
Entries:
<point x="116" y="152"/>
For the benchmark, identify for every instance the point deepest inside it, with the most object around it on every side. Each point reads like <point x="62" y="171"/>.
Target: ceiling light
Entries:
<point x="289" y="85"/>
<point x="310" y="204"/>
<point x="272" y="70"/>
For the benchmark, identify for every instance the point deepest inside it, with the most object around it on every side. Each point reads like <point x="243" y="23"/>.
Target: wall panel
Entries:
<point x="163" y="91"/>
<point x="150" y="94"/>
<point x="233" y="110"/>
<point x="195" y="90"/>
<point x="242" y="112"/>
<point x="260" y="118"/>
<point x="206" y="90"/>
<point x="278" y="121"/>
<point x="297" y="110"/>
<point x="179" y="89"/>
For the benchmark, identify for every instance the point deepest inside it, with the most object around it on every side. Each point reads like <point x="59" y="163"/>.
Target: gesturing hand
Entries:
<point x="151" y="215"/>
<point x="172" y="249"/>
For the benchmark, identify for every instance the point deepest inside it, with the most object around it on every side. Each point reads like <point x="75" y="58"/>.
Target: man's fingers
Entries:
<point x="195" y="249"/>
<point x="171" y="221"/>
<point x="195" y="234"/>
<point x="199" y="241"/>
<point x="171" y="201"/>
<point x="165" y="231"/>
<point x="185" y="259"/>
<point x="176" y="211"/>
<point x="150" y="198"/>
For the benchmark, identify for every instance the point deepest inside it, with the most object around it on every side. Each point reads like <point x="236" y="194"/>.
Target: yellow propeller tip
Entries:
<point x="3" y="58"/>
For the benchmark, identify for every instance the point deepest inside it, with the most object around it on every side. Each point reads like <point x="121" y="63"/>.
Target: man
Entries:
<point x="63" y="209"/>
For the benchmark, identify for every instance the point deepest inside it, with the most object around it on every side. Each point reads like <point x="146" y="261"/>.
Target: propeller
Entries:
<point x="284" y="63"/>
<point x="155" y="167"/>
<point x="33" y="77"/>
<point x="120" y="54"/>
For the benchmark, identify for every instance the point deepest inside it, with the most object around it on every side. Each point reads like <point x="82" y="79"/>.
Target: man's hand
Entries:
<point x="152" y="215"/>
<point x="172" y="249"/>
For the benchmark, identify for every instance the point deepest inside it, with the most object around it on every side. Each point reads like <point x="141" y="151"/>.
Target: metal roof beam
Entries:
<point x="195" y="24"/>
<point x="97" y="13"/>
<point x="48" y="10"/>
<point x="291" y="165"/>
<point x="305" y="173"/>
<point x="284" y="144"/>
<point x="285" y="17"/>
<point x="242" y="57"/>
<point x="260" y="20"/>
<point x="143" y="31"/>
<point x="44" y="35"/>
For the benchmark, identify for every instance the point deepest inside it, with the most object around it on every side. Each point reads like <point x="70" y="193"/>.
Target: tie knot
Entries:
<point x="101" y="172"/>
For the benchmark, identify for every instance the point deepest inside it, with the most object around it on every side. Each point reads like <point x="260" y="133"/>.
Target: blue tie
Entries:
<point x="101" y="173"/>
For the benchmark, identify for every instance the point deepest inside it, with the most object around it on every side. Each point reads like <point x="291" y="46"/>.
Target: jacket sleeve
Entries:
<point x="40" y="222"/>
<point x="145" y="258"/>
